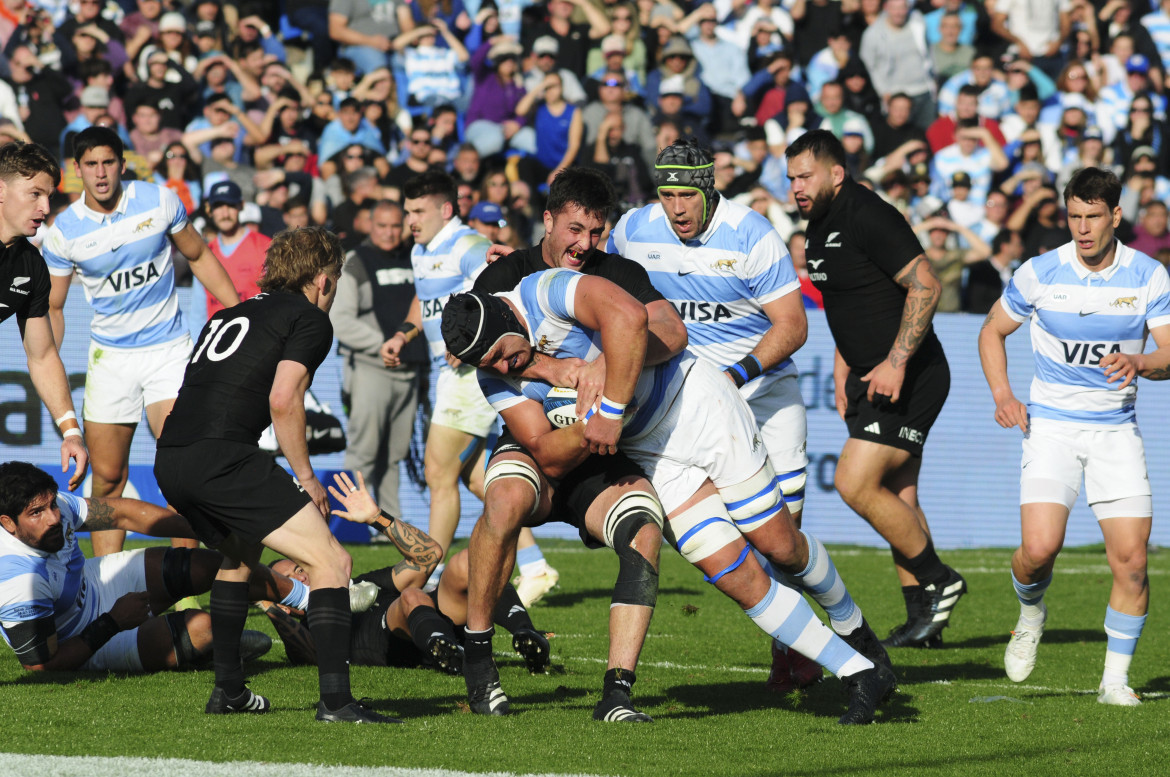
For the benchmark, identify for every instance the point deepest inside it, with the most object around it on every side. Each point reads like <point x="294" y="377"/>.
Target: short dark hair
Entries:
<point x="96" y="137"/>
<point x="824" y="146"/>
<point x="95" y="66"/>
<point x="1094" y="184"/>
<point x="27" y="160"/>
<point x="1002" y="238"/>
<point x="586" y="187"/>
<point x="971" y="90"/>
<point x="20" y="483"/>
<point x="432" y="183"/>
<point x="292" y="203"/>
<point x="350" y="102"/>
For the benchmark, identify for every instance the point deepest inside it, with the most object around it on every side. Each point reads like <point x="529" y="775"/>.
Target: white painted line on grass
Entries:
<point x="18" y="765"/>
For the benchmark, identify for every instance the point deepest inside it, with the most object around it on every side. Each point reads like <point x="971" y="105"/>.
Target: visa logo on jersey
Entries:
<point x="125" y="280"/>
<point x="702" y="311"/>
<point x="1089" y="354"/>
<point x="432" y="308"/>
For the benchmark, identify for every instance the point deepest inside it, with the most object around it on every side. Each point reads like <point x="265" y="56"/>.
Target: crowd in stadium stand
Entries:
<point x="968" y="116"/>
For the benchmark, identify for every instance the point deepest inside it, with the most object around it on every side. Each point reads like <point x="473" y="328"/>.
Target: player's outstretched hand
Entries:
<point x="1010" y="412"/>
<point x="73" y="447"/>
<point x="1122" y="367"/>
<point x="602" y="434"/>
<point x="360" y="506"/>
<point x="885" y="382"/>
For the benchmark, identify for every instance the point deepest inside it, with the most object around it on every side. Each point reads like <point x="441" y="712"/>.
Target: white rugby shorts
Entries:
<point x="109" y="578"/>
<point x="1112" y="461"/>
<point x="459" y="403"/>
<point x="121" y="382"/>
<point x="778" y="408"/>
<point x="708" y="434"/>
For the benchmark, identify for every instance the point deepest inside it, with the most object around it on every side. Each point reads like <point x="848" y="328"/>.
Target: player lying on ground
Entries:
<point x="694" y="436"/>
<point x="406" y="626"/>
<point x="61" y="611"/>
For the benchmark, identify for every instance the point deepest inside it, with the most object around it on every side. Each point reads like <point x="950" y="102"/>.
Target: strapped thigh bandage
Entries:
<point x="513" y="468"/>
<point x="700" y="531"/>
<point x="637" y="581"/>
<point x="754" y="501"/>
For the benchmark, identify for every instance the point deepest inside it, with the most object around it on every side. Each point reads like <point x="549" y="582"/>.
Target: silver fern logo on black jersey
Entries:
<point x="831" y="241"/>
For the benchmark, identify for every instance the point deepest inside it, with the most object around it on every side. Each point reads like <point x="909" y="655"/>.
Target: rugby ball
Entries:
<point x="560" y="405"/>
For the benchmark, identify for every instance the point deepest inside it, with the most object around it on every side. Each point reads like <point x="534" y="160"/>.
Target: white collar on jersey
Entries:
<point x="1122" y="255"/>
<point x="123" y="203"/>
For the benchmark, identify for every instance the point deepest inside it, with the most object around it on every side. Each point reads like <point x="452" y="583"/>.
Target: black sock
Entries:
<point x="927" y="567"/>
<point x="618" y="680"/>
<point x="329" y="622"/>
<point x="229" y="612"/>
<point x="913" y="596"/>
<point x="424" y="623"/>
<point x="510" y="612"/>
<point x="477" y="645"/>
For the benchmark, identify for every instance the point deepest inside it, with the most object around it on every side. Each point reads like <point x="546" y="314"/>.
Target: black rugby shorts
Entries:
<point x="906" y="423"/>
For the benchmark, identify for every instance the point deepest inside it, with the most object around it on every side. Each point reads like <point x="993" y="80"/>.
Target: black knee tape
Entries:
<point x="637" y="581"/>
<point x="176" y="573"/>
<point x="185" y="652"/>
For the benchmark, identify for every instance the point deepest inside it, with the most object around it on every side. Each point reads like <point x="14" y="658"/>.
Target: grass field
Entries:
<point x="701" y="678"/>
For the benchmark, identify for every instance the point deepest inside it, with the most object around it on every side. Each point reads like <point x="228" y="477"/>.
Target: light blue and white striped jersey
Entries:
<point x="546" y="304"/>
<point x="719" y="281"/>
<point x="35" y="584"/>
<point x="950" y="160"/>
<point x="124" y="260"/>
<point x="1079" y="316"/>
<point x="1158" y="25"/>
<point x="447" y="265"/>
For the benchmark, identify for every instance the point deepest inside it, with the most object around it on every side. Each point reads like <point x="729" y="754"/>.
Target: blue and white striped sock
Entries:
<point x="530" y="561"/>
<point x="786" y="616"/>
<point x="1123" y="632"/>
<point x="1031" y="596"/>
<point x="822" y="582"/>
<point x="298" y="597"/>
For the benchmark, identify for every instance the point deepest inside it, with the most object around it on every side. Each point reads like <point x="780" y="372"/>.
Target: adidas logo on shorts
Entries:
<point x="873" y="428"/>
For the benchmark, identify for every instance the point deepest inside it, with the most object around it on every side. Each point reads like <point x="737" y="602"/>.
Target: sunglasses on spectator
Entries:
<point x="355" y="156"/>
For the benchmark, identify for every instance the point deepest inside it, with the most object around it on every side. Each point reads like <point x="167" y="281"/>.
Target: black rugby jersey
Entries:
<point x="853" y="253"/>
<point x="505" y="273"/>
<point x="24" y="282"/>
<point x="228" y="380"/>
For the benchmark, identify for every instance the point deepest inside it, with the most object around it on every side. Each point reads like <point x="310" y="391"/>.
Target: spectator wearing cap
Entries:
<point x="364" y="32"/>
<point x="174" y="97"/>
<point x="574" y="40"/>
<point x="940" y="235"/>
<point x="208" y="38"/>
<point x="994" y="99"/>
<point x="544" y="61"/>
<point x="487" y="218"/>
<point x="893" y="49"/>
<point x="95" y="102"/>
<point x="672" y="106"/>
<point x="612" y="54"/>
<point x="723" y="69"/>
<point x="1144" y="181"/>
<point x="492" y="121"/>
<point x="174" y="41"/>
<point x="348" y="128"/>
<point x="626" y="27"/>
<point x="237" y="246"/>
<point x="962" y="208"/>
<point x="975" y="152"/>
<point x="1091" y="152"/>
<point x="1115" y="100"/>
<point x="678" y="61"/>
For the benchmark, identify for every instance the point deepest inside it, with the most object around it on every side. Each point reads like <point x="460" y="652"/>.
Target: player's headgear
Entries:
<point x="474" y="322"/>
<point x="685" y="165"/>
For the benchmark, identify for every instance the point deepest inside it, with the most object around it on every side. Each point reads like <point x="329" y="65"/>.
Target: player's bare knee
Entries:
<point x="412" y="598"/>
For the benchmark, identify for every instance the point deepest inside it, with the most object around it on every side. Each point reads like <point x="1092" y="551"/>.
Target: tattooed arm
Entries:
<point x="421" y="554"/>
<point x="1009" y="411"/>
<point x="1154" y="365"/>
<point x="135" y="515"/>
<point x="922" y="293"/>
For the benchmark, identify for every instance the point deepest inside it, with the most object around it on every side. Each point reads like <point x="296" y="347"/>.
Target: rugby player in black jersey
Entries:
<point x="604" y="492"/>
<point x="251" y="366"/>
<point x="890" y="373"/>
<point x="28" y="175"/>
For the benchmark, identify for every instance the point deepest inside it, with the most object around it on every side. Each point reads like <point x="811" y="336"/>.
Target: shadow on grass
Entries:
<point x="967" y="670"/>
<point x="1051" y="637"/>
<point x="568" y="599"/>
<point x="826" y="699"/>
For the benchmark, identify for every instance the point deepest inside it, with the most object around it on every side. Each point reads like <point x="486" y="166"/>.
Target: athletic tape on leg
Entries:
<point x="701" y="530"/>
<point x="637" y="581"/>
<point x="176" y="573"/>
<point x="513" y="468"/>
<point x="185" y="652"/>
<point x="754" y="501"/>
